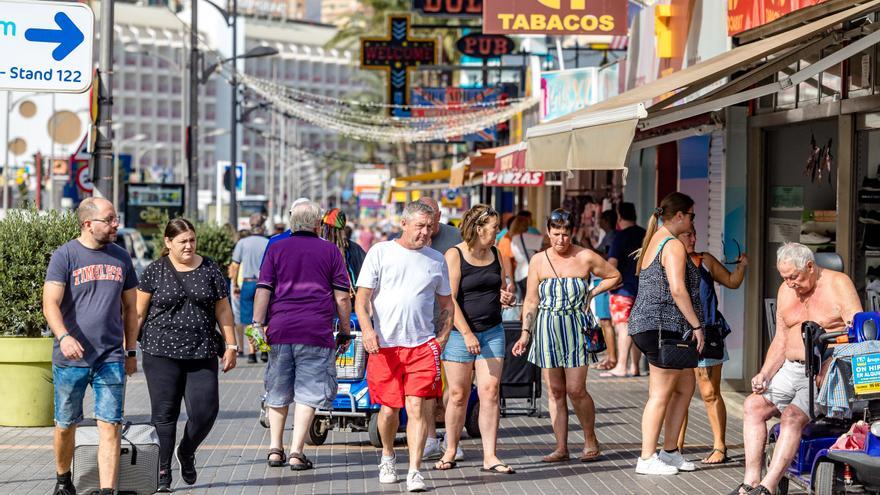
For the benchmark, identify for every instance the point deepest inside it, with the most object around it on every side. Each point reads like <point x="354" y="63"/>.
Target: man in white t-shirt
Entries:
<point x="398" y="284"/>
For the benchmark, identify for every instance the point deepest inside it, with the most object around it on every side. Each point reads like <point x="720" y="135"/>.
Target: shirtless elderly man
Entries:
<point x="808" y="293"/>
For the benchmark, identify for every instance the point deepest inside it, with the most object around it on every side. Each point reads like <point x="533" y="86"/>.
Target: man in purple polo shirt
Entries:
<point x="306" y="278"/>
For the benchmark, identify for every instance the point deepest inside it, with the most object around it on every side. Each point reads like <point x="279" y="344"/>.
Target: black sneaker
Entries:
<point x="187" y="467"/>
<point x="252" y="358"/>
<point x="869" y="216"/>
<point x="164" y="481"/>
<point x="264" y="357"/>
<point x="64" y="485"/>
<point x="870" y="184"/>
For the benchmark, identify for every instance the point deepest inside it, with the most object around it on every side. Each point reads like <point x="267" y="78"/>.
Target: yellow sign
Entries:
<point x="867" y="388"/>
<point x="559" y="17"/>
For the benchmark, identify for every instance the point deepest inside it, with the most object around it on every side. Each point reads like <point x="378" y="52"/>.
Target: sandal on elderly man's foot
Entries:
<point x="760" y="490"/>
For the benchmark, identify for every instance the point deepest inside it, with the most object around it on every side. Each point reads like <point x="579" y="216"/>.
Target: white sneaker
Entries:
<point x="433" y="449"/>
<point x="654" y="466"/>
<point x="387" y="471"/>
<point x="415" y="482"/>
<point x="677" y="460"/>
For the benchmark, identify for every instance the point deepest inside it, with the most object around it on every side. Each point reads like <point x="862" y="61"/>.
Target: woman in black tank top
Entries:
<point x="480" y="285"/>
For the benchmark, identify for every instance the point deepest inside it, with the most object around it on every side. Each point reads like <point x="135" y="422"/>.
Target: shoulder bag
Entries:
<point x="676" y="352"/>
<point x="593" y="336"/>
<point x="219" y="342"/>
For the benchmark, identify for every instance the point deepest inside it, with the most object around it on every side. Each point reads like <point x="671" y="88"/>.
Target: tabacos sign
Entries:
<point x="555" y="17"/>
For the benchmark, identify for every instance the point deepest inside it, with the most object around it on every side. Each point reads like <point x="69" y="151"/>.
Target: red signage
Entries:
<point x="513" y="178"/>
<point x="743" y="15"/>
<point x="555" y="17"/>
<point x="485" y="45"/>
<point x="449" y="8"/>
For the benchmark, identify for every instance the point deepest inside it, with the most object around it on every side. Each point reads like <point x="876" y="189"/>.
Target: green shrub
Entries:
<point x="27" y="240"/>
<point x="214" y="241"/>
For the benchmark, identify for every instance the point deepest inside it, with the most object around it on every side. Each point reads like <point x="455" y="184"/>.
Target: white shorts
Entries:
<point x="789" y="386"/>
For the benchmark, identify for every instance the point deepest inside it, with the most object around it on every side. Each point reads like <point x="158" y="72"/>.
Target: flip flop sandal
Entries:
<point x="445" y="465"/>
<point x="724" y="458"/>
<point x="276" y="462"/>
<point x="591" y="456"/>
<point x="303" y="464"/>
<point x="759" y="490"/>
<point x="494" y="469"/>
<point x="556" y="457"/>
<point x="742" y="486"/>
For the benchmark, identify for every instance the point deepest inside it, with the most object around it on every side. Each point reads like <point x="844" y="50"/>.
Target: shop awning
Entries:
<point x="599" y="137"/>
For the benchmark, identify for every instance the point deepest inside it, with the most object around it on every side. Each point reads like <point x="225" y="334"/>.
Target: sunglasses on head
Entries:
<point x="559" y="216"/>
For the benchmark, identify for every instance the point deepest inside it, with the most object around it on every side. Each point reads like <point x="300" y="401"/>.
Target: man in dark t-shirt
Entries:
<point x="89" y="303"/>
<point x="628" y="240"/>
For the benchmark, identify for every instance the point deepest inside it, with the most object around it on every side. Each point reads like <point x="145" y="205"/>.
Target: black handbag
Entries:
<point x="713" y="345"/>
<point x="678" y="352"/>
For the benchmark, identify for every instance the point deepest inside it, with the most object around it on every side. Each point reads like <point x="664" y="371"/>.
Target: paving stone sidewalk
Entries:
<point x="232" y="460"/>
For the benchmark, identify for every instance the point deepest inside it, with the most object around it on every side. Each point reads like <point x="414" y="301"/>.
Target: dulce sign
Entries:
<point x="485" y="45"/>
<point x="449" y="8"/>
<point x="397" y="54"/>
<point x="555" y="17"/>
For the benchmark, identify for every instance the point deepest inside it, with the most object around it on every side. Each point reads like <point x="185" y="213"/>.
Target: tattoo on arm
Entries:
<point x="445" y="319"/>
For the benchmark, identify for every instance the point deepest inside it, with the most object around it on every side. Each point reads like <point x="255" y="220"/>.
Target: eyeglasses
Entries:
<point x="736" y="259"/>
<point x="109" y="221"/>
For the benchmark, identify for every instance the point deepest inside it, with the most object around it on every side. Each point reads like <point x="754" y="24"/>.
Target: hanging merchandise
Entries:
<point x="812" y="160"/>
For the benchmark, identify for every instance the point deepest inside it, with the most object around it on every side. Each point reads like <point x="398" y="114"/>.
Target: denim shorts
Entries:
<point x="301" y="374"/>
<point x="108" y="383"/>
<point x="246" y="298"/>
<point x="491" y="346"/>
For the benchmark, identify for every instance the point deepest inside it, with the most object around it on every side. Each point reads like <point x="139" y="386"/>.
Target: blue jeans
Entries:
<point x="246" y="298"/>
<point x="108" y="383"/>
<point x="491" y="346"/>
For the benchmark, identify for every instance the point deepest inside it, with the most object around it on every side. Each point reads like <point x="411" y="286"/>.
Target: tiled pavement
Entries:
<point x="232" y="460"/>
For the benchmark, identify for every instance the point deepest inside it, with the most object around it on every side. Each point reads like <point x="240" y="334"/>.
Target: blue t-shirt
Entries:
<point x="627" y="242"/>
<point x="94" y="280"/>
<point x="272" y="240"/>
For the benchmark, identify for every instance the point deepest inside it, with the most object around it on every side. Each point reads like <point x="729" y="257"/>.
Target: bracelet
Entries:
<point x="62" y="337"/>
<point x="526" y="330"/>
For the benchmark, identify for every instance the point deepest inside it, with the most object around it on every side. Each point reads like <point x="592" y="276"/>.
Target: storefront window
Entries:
<point x="830" y="80"/>
<point x="860" y="73"/>
<point x="786" y="98"/>
<point x="866" y="264"/>
<point x="808" y="91"/>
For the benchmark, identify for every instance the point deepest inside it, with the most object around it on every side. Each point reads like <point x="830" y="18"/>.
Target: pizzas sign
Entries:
<point x="555" y="17"/>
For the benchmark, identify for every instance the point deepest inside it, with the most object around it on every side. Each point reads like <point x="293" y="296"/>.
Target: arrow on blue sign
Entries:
<point x="68" y="37"/>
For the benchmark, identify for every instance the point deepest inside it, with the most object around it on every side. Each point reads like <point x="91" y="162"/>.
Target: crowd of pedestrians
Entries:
<point x="430" y="300"/>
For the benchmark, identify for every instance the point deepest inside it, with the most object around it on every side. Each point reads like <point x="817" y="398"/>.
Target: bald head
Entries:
<point x="91" y="208"/>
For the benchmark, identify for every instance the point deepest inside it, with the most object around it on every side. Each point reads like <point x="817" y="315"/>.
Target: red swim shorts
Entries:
<point x="621" y="306"/>
<point x="397" y="372"/>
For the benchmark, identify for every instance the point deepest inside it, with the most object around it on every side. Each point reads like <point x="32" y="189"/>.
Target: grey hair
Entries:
<point x="796" y="254"/>
<point x="305" y="216"/>
<point x="417" y="208"/>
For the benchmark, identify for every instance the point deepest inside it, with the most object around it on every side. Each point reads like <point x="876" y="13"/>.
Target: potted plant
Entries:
<point x="27" y="239"/>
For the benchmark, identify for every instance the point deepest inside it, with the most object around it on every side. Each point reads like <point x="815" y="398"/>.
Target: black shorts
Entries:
<point x="649" y="343"/>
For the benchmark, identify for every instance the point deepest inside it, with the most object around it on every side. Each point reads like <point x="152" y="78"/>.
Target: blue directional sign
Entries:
<point x="46" y="46"/>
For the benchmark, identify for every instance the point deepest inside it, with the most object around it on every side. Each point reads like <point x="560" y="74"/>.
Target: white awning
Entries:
<point x="600" y="136"/>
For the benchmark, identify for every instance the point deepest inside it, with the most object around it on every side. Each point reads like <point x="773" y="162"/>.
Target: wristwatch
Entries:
<point x="234" y="347"/>
<point x="131" y="353"/>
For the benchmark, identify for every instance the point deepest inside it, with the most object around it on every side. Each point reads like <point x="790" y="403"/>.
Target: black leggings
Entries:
<point x="170" y="380"/>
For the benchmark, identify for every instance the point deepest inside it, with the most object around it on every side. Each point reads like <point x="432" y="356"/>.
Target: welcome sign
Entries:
<point x="555" y="17"/>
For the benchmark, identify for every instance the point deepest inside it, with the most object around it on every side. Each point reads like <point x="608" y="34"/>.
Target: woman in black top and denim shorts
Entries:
<point x="668" y="301"/>
<point x="477" y="341"/>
